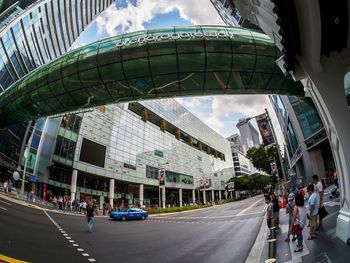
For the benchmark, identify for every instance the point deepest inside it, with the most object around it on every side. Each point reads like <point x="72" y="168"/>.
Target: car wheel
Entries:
<point x="143" y="217"/>
<point x="123" y="218"/>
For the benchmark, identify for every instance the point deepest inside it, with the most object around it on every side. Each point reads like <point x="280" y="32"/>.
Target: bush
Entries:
<point x="174" y="209"/>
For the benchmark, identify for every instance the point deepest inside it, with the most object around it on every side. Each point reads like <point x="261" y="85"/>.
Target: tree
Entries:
<point x="252" y="183"/>
<point x="262" y="158"/>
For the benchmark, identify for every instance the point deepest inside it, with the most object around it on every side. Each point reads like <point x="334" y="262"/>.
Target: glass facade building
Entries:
<point x="308" y="148"/>
<point x="32" y="33"/>
<point x="129" y="143"/>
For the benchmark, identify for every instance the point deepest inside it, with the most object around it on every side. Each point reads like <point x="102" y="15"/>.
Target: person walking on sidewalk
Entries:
<point x="89" y="212"/>
<point x="289" y="210"/>
<point x="298" y="221"/>
<point x="276" y="211"/>
<point x="313" y="211"/>
<point x="269" y="212"/>
<point x="319" y="192"/>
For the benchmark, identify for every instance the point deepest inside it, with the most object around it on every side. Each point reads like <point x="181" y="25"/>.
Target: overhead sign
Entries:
<point x="265" y="129"/>
<point x="231" y="186"/>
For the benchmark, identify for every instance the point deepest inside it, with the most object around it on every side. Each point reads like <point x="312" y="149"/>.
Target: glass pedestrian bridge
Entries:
<point x="180" y="61"/>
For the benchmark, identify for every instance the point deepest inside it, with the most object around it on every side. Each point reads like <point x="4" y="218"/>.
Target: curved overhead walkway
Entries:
<point x="184" y="61"/>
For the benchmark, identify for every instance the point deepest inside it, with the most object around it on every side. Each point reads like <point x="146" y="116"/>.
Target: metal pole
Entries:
<point x="278" y="149"/>
<point x="26" y="161"/>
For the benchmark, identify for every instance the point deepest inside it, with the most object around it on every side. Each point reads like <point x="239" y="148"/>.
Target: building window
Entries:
<point x="151" y="172"/>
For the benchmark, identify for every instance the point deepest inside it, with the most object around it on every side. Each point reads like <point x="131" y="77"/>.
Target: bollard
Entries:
<point x="272" y="248"/>
<point x="272" y="232"/>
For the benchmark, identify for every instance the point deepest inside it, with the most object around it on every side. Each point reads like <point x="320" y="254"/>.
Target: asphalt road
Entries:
<point x="223" y="233"/>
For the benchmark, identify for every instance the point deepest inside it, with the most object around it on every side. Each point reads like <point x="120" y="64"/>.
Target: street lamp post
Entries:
<point x="278" y="150"/>
<point x="160" y="171"/>
<point x="26" y="155"/>
<point x="275" y="139"/>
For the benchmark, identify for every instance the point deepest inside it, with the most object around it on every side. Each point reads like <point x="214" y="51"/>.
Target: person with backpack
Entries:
<point x="89" y="212"/>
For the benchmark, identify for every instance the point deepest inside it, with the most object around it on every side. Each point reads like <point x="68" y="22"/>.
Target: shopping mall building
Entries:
<point x="114" y="153"/>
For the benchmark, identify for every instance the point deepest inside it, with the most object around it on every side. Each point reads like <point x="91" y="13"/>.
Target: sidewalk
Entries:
<point x="325" y="248"/>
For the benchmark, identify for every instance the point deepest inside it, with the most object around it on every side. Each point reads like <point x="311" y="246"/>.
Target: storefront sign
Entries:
<point x="174" y="36"/>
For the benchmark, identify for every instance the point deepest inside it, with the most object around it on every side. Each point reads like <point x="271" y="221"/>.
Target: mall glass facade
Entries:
<point x="116" y="142"/>
<point x="32" y="33"/>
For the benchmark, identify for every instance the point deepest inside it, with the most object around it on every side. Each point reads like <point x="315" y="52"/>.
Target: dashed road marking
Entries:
<point x="67" y="237"/>
<point x="5" y="203"/>
<point x="3" y="208"/>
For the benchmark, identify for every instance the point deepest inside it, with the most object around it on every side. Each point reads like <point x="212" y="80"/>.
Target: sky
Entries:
<point x="220" y="113"/>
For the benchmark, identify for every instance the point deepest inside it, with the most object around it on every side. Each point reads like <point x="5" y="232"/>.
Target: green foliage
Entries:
<point x="252" y="182"/>
<point x="174" y="209"/>
<point x="262" y="158"/>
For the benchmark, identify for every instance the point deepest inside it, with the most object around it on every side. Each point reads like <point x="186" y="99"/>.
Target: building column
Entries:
<point x="180" y="197"/>
<point x="73" y="185"/>
<point x="327" y="90"/>
<point x="204" y="197"/>
<point x="102" y="200"/>
<point x="212" y="196"/>
<point x="225" y="194"/>
<point x="141" y="194"/>
<point x="231" y="194"/>
<point x="163" y="196"/>
<point x="193" y="196"/>
<point x="111" y="191"/>
<point x="220" y="195"/>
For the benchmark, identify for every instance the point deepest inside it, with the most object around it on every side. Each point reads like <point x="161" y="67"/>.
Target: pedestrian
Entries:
<point x="6" y="184"/>
<point x="54" y="201"/>
<point x="298" y="221"/>
<point x="319" y="192"/>
<point x="83" y="206"/>
<point x="335" y="178"/>
<point x="269" y="212"/>
<point x="89" y="212"/>
<point x="9" y="186"/>
<point x="276" y="211"/>
<point x="289" y="210"/>
<point x="313" y="211"/>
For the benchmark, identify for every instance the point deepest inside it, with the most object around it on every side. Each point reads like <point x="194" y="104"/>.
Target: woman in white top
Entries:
<point x="299" y="218"/>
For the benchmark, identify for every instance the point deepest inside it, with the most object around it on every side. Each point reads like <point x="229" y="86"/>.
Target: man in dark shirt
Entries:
<point x="90" y="217"/>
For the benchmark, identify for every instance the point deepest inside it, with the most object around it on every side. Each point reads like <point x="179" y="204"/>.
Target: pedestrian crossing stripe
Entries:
<point x="11" y="260"/>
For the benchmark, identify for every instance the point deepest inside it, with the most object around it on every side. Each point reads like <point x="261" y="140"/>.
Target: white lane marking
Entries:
<point x="249" y="207"/>
<point x="204" y="217"/>
<point x="67" y="237"/>
<point x="92" y="260"/>
<point x="3" y="208"/>
<point x="5" y="203"/>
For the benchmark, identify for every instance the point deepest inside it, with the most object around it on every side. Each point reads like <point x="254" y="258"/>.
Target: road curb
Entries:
<point x="258" y="246"/>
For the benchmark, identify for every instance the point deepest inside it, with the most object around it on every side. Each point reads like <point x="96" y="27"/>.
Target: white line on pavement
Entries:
<point x="249" y="207"/>
<point x="3" y="208"/>
<point x="5" y="202"/>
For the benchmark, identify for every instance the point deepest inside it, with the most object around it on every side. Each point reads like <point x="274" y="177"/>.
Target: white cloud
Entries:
<point x="132" y="18"/>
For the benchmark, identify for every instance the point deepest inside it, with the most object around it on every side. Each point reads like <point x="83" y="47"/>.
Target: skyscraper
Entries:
<point x="33" y="33"/>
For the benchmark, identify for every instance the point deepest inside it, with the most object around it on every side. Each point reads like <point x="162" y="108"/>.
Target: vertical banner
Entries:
<point x="161" y="177"/>
<point x="265" y="129"/>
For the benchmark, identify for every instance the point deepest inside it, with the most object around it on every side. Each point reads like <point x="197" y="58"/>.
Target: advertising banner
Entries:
<point x="265" y="129"/>
<point x="161" y="177"/>
<point x="231" y="186"/>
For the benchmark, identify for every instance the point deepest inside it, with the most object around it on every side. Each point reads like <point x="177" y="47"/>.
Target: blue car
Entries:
<point x="129" y="214"/>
